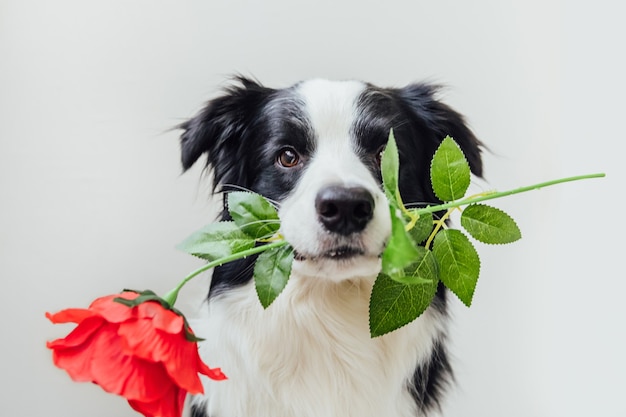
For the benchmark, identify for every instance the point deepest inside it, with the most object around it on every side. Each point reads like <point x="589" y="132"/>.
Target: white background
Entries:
<point x="92" y="200"/>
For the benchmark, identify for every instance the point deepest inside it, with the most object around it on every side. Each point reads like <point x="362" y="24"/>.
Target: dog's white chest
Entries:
<point x="309" y="354"/>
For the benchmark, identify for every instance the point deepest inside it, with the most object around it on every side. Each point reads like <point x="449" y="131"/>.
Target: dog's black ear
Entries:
<point x="219" y="130"/>
<point x="442" y="121"/>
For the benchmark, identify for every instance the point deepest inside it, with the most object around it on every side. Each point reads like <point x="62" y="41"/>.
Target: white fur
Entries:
<point x="310" y="353"/>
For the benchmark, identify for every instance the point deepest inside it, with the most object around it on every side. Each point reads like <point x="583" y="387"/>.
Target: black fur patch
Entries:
<point x="430" y="379"/>
<point x="198" y="410"/>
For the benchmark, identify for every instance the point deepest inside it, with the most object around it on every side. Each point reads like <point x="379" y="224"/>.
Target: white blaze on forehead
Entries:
<point x="331" y="107"/>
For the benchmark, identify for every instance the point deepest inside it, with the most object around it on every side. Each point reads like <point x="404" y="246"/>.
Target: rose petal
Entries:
<point x="79" y="335"/>
<point x="175" y="352"/>
<point x="113" y="311"/>
<point x="140" y="338"/>
<point x="70" y="315"/>
<point x="123" y="374"/>
<point x="169" y="405"/>
<point x="75" y="361"/>
<point x="180" y="366"/>
<point x="145" y="381"/>
<point x="162" y="319"/>
<point x="213" y="373"/>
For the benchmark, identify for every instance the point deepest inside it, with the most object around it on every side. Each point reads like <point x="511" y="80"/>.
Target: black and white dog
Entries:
<point x="314" y="149"/>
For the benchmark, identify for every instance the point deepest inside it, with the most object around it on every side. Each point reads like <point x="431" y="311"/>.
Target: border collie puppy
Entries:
<point x="314" y="149"/>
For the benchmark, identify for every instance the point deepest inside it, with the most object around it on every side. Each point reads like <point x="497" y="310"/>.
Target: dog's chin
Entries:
<point x="337" y="264"/>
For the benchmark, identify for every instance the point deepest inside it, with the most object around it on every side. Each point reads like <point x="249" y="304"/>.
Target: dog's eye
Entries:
<point x="379" y="155"/>
<point x="288" y="158"/>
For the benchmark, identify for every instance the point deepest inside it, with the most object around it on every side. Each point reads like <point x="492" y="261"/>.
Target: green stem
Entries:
<point x="171" y="296"/>
<point x="438" y="225"/>
<point x="491" y="196"/>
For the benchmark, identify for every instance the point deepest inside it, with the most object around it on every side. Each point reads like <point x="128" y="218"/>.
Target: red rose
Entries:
<point x="141" y="353"/>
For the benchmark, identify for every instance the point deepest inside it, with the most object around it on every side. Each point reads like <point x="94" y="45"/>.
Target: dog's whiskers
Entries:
<point x="226" y="188"/>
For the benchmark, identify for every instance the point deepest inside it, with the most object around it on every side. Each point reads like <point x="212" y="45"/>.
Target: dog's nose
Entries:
<point x="344" y="210"/>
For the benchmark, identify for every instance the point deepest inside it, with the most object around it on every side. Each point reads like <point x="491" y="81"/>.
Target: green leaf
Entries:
<point x="389" y="166"/>
<point x="489" y="225"/>
<point x="401" y="251"/>
<point x="449" y="171"/>
<point x="253" y="214"/>
<point x="422" y="271"/>
<point x="271" y="273"/>
<point x="216" y="241"/>
<point x="423" y="227"/>
<point x="393" y="305"/>
<point x="458" y="263"/>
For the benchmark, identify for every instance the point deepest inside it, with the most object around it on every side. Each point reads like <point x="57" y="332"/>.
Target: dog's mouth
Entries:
<point x="338" y="254"/>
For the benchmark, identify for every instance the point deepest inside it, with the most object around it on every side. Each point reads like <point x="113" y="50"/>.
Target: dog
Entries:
<point x="314" y="149"/>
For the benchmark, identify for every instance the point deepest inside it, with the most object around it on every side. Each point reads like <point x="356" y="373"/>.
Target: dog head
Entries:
<point x="314" y="149"/>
